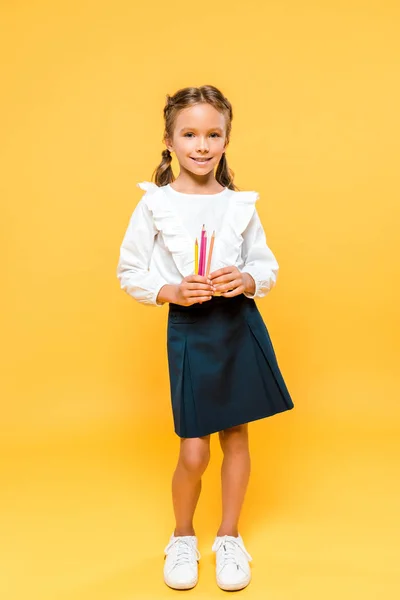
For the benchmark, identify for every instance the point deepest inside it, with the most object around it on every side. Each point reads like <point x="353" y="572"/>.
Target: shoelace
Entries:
<point x="229" y="555"/>
<point x="184" y="551"/>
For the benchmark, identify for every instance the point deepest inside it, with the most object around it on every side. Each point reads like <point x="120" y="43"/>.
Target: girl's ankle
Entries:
<point x="182" y="532"/>
<point x="231" y="532"/>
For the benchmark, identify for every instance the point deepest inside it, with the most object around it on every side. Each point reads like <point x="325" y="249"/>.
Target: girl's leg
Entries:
<point x="235" y="474"/>
<point x="194" y="457"/>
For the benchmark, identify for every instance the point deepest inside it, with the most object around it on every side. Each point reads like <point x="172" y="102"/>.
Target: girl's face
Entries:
<point x="199" y="138"/>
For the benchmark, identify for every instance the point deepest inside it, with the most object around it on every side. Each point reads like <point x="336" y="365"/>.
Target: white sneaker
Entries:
<point x="232" y="562"/>
<point x="181" y="562"/>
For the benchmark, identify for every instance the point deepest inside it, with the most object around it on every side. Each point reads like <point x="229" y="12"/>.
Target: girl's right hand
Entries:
<point x="193" y="289"/>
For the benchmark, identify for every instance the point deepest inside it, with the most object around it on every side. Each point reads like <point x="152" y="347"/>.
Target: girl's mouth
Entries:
<point x="200" y="161"/>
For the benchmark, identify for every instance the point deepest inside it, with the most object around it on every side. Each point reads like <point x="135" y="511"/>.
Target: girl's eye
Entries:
<point x="216" y="134"/>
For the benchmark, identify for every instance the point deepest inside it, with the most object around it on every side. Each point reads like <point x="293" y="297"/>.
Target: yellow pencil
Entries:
<point x="196" y="257"/>
<point x="210" y="253"/>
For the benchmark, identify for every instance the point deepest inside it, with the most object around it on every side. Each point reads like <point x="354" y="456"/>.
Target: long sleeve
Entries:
<point x="133" y="270"/>
<point x="259" y="260"/>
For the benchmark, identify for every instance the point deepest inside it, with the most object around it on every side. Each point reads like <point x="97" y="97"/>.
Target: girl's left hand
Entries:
<point x="229" y="282"/>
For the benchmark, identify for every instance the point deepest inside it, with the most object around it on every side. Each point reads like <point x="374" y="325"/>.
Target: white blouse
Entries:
<point x="158" y="246"/>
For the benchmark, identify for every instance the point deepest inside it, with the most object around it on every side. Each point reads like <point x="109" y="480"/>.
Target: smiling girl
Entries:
<point x="223" y="369"/>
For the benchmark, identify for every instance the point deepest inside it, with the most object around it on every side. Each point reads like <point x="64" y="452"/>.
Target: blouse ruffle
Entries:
<point x="179" y="242"/>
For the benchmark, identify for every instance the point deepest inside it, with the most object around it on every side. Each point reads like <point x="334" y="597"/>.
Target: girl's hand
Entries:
<point x="193" y="289"/>
<point x="229" y="282"/>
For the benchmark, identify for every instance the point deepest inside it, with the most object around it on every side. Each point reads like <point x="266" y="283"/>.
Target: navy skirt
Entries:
<point x="222" y="366"/>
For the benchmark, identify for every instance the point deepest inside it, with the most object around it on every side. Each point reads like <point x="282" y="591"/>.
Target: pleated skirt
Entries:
<point x="222" y="366"/>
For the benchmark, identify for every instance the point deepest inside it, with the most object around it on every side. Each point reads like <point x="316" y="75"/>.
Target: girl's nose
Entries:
<point x="202" y="145"/>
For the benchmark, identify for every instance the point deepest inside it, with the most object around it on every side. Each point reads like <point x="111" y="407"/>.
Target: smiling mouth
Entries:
<point x="200" y="159"/>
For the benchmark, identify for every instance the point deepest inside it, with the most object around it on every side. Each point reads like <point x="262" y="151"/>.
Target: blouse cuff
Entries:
<point x="153" y="290"/>
<point x="159" y="285"/>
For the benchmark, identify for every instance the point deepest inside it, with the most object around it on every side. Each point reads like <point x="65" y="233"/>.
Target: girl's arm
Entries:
<point x="259" y="260"/>
<point x="134" y="260"/>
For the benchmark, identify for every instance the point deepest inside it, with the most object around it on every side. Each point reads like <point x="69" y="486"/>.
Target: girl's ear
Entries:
<point x="167" y="142"/>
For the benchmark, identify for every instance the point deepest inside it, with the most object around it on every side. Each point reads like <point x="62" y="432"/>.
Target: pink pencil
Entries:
<point x="202" y="248"/>
<point x="204" y="253"/>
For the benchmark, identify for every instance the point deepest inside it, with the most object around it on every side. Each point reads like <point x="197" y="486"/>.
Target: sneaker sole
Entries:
<point x="181" y="586"/>
<point x="230" y="587"/>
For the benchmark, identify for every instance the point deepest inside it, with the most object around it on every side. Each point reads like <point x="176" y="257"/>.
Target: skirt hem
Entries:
<point x="234" y="424"/>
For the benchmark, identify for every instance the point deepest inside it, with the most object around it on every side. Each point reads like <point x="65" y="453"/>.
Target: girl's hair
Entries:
<point x="184" y="98"/>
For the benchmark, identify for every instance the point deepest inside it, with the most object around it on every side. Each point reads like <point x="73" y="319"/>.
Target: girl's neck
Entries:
<point x="190" y="185"/>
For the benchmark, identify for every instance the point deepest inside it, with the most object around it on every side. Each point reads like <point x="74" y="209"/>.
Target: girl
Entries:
<point x="222" y="366"/>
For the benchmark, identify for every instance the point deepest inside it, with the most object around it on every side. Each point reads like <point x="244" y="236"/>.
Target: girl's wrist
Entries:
<point x="168" y="293"/>
<point x="249" y="284"/>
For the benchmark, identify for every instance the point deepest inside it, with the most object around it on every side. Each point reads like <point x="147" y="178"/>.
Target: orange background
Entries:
<point x="86" y="426"/>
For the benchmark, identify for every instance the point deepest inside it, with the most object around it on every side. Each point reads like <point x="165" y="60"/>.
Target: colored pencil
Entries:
<point x="196" y="257"/>
<point x="201" y="251"/>
<point x="210" y="254"/>
<point x="203" y="270"/>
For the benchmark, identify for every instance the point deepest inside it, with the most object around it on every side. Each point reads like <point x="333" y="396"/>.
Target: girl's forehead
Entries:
<point x="200" y="116"/>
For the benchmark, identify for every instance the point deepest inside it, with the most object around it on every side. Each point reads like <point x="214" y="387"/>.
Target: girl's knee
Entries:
<point x="237" y="431"/>
<point x="234" y="438"/>
<point x="195" y="454"/>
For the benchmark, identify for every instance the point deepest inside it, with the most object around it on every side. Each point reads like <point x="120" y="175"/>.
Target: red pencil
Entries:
<point x="203" y="272"/>
<point x="201" y="260"/>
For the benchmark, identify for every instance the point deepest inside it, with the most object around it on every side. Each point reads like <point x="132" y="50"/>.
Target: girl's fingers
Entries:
<point x="236" y="287"/>
<point x="228" y="286"/>
<point x="235" y="292"/>
<point x="199" y="286"/>
<point x="224" y="275"/>
<point x="232" y="293"/>
<point x="195" y="293"/>
<point x="222" y="279"/>
<point x="197" y="279"/>
<point x="195" y="299"/>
